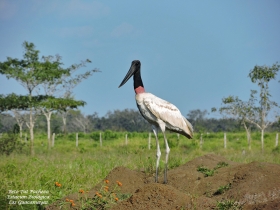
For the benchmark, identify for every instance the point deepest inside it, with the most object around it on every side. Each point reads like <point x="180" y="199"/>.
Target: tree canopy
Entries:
<point x="33" y="72"/>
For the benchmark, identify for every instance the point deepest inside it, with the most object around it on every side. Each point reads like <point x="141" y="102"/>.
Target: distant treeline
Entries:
<point x="126" y="120"/>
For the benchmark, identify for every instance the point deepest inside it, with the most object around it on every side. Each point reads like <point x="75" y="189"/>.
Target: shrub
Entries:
<point x="109" y="135"/>
<point x="10" y="143"/>
<point x="95" y="136"/>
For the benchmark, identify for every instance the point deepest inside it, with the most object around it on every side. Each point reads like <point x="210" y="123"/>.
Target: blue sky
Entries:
<point x="193" y="53"/>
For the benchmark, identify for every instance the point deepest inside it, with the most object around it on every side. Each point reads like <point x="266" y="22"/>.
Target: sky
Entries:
<point x="193" y="53"/>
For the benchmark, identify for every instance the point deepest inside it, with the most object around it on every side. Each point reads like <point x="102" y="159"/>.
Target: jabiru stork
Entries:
<point x="158" y="112"/>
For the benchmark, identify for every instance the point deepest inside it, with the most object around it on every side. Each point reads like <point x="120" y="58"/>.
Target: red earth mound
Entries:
<point x="207" y="182"/>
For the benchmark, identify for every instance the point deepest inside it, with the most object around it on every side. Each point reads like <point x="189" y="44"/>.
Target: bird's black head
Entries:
<point x="136" y="63"/>
<point x="134" y="70"/>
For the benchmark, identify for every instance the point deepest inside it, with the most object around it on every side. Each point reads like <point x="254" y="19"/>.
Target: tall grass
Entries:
<point x="84" y="166"/>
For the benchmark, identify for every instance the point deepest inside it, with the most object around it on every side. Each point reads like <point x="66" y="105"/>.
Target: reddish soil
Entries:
<point x="253" y="186"/>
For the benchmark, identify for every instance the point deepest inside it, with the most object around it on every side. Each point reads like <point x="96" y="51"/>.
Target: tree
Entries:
<point x="62" y="87"/>
<point x="20" y="120"/>
<point x="249" y="112"/>
<point x="31" y="72"/>
<point x="69" y="82"/>
<point x="241" y="110"/>
<point x="262" y="75"/>
<point x="6" y="123"/>
<point x="54" y="104"/>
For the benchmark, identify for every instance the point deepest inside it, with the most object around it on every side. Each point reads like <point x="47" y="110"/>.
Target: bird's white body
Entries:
<point x="160" y="112"/>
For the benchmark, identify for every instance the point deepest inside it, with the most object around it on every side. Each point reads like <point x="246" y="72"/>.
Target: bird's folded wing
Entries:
<point x="165" y="111"/>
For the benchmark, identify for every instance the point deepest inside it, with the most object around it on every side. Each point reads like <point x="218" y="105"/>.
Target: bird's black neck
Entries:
<point x="138" y="84"/>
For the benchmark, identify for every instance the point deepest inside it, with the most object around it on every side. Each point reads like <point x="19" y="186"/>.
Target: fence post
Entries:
<point x="276" y="140"/>
<point x="125" y="139"/>
<point x="178" y="139"/>
<point x="201" y="141"/>
<point x="100" y="138"/>
<point x="77" y="139"/>
<point x="53" y="138"/>
<point x="225" y="140"/>
<point x="149" y="141"/>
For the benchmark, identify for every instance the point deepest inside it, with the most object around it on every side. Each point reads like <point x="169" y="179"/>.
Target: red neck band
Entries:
<point x="139" y="89"/>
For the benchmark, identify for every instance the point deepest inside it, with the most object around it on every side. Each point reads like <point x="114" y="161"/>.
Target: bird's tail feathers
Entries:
<point x="189" y="128"/>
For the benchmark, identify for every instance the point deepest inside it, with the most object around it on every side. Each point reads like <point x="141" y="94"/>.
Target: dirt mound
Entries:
<point x="207" y="182"/>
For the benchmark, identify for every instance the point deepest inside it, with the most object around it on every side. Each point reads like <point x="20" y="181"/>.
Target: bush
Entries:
<point x="81" y="135"/>
<point x="95" y="136"/>
<point x="10" y="143"/>
<point x="72" y="136"/>
<point x="109" y="135"/>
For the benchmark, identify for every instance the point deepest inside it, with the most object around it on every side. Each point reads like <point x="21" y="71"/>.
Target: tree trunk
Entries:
<point x="100" y="138"/>
<point x="19" y="120"/>
<point x="262" y="140"/>
<point x="248" y="132"/>
<point x="20" y="131"/>
<point x="149" y="141"/>
<point x="64" y="125"/>
<point x="53" y="139"/>
<point x="276" y="140"/>
<point x="225" y="140"/>
<point x="64" y="115"/>
<point x="31" y="126"/>
<point x="48" y="117"/>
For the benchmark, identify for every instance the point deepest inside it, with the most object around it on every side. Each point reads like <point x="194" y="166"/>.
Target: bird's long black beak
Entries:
<point x="130" y="73"/>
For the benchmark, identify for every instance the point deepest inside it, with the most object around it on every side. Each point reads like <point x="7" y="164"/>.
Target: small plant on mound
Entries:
<point x="210" y="172"/>
<point x="220" y="165"/>
<point x="206" y="171"/>
<point x="222" y="189"/>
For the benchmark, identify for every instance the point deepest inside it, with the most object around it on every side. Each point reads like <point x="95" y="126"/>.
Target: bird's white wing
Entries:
<point x="168" y="113"/>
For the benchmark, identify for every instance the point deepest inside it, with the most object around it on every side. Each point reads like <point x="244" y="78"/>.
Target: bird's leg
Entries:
<point x="167" y="150"/>
<point x="157" y="155"/>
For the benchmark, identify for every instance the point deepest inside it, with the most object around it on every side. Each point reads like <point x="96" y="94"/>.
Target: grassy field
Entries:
<point x="84" y="166"/>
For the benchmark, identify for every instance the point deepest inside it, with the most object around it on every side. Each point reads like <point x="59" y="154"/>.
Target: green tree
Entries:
<point x="68" y="83"/>
<point x="262" y="75"/>
<point x="240" y="110"/>
<point x="250" y="112"/>
<point x="31" y="72"/>
<point x="63" y="87"/>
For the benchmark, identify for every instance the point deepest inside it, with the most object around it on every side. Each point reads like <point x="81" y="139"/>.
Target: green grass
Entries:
<point x="84" y="166"/>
